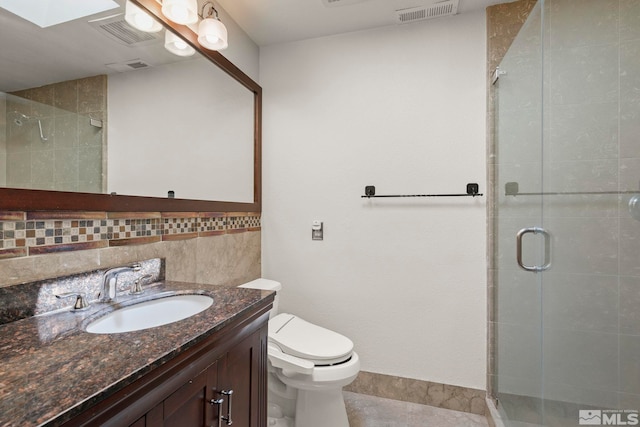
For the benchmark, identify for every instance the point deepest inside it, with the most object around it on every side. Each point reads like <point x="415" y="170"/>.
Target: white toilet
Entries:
<point x="309" y="365"/>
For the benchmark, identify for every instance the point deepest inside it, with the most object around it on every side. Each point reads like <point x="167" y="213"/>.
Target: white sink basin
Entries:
<point x="150" y="314"/>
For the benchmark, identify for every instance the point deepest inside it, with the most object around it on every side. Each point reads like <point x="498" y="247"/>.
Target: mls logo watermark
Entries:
<point x="608" y="417"/>
<point x="589" y="417"/>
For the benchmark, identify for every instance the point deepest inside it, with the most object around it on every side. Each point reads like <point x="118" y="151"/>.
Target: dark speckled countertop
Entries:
<point x="51" y="369"/>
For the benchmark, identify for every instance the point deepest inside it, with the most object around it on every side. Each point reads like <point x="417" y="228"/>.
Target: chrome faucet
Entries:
<point x="110" y="280"/>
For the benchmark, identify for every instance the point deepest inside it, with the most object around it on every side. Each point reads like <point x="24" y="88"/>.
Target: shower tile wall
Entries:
<point x="591" y="143"/>
<point x="594" y="65"/>
<point x="71" y="159"/>
<point x="629" y="178"/>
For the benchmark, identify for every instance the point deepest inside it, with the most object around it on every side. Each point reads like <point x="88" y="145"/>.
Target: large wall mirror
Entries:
<point x="96" y="115"/>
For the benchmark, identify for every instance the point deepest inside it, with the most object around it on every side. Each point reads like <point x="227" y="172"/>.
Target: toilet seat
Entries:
<point x="297" y="337"/>
<point x="322" y="377"/>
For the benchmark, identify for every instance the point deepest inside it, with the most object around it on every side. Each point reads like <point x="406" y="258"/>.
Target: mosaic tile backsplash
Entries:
<point x="35" y="233"/>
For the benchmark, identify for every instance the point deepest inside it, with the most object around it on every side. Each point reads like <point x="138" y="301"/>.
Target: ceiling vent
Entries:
<point x="134" y="64"/>
<point x="116" y="28"/>
<point x="436" y="10"/>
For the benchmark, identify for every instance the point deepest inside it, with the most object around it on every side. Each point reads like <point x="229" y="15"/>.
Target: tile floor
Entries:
<point x="371" y="411"/>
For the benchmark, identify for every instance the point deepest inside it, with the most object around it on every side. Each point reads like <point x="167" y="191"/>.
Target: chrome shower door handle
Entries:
<point x="547" y="249"/>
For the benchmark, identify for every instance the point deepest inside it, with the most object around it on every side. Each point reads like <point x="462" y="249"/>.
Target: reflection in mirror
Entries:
<point x="49" y="148"/>
<point x="93" y="105"/>
<point x="199" y="146"/>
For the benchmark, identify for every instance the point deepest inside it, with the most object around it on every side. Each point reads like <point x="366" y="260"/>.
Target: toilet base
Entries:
<point x="321" y="409"/>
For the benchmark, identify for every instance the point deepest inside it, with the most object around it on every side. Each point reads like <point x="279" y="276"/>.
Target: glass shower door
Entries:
<point x="590" y="362"/>
<point x="568" y="162"/>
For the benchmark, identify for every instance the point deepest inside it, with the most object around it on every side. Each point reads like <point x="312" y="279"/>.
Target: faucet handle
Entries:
<point x="81" y="301"/>
<point x="136" y="289"/>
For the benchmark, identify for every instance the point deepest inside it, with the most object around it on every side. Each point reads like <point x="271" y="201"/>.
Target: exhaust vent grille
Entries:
<point x="134" y="64"/>
<point x="118" y="29"/>
<point x="436" y="10"/>
<point x="137" y="65"/>
<point x="122" y="31"/>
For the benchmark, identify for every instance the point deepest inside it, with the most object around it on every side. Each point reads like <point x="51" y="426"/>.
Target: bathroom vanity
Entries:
<point x="208" y="369"/>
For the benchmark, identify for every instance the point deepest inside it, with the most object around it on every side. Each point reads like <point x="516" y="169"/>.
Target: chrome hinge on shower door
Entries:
<point x="547" y="249"/>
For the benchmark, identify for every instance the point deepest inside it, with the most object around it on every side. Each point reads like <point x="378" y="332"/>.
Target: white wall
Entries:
<point x="242" y="51"/>
<point x="401" y="108"/>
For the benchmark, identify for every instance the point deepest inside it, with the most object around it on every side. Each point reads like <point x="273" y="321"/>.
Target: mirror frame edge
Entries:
<point x="14" y="199"/>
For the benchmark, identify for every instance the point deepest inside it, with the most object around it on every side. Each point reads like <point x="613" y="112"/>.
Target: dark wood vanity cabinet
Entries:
<point x="220" y="395"/>
<point x="220" y="381"/>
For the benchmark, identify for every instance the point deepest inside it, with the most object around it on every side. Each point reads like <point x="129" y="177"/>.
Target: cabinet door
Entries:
<point x="230" y="391"/>
<point x="239" y="374"/>
<point x="186" y="407"/>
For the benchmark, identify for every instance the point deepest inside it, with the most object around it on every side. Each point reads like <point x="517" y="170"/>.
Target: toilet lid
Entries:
<point x="300" y="338"/>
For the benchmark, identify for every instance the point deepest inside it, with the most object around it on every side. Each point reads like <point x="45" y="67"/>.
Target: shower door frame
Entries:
<point x="522" y="252"/>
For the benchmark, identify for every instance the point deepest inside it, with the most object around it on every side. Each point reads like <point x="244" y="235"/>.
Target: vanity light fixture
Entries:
<point x="181" y="11"/>
<point x="176" y="45"/>
<point x="140" y="19"/>
<point x="212" y="34"/>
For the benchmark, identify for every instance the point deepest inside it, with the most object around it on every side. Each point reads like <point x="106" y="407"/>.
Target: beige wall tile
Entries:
<point x="581" y="359"/>
<point x="629" y="17"/>
<point x="418" y="391"/>
<point x="629" y="303"/>
<point x="181" y="258"/>
<point x="230" y="259"/>
<point x="582" y="22"/>
<point x="217" y="260"/>
<point x="583" y="74"/>
<point x="580" y="302"/>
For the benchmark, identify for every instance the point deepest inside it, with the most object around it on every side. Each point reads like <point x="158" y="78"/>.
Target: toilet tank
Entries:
<point x="266" y="285"/>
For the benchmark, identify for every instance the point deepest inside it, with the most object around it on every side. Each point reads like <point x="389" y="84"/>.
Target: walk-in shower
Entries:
<point x="565" y="266"/>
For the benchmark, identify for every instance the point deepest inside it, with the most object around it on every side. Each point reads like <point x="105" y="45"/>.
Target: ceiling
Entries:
<point x="281" y="21"/>
<point x="77" y="49"/>
<point x="31" y="56"/>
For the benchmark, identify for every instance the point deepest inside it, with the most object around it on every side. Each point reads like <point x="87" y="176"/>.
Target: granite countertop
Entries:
<point x="51" y="369"/>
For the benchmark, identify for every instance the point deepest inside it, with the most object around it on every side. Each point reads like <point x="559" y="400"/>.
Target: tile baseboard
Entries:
<point x="418" y="391"/>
